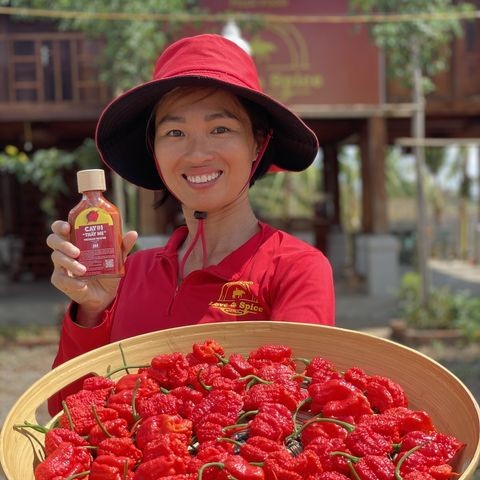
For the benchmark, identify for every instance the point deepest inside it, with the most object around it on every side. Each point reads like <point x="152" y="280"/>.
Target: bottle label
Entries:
<point x="95" y="237"/>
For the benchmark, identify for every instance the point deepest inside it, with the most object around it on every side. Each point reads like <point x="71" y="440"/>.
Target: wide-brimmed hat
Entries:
<point x="203" y="60"/>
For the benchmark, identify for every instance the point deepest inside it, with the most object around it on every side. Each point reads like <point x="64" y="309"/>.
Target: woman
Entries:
<point x="203" y="130"/>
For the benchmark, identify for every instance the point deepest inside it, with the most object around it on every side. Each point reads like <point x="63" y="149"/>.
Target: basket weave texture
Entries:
<point x="428" y="385"/>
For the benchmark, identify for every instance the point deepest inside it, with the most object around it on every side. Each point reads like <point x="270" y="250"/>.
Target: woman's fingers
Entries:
<point x="66" y="283"/>
<point x="62" y="260"/>
<point x="129" y="242"/>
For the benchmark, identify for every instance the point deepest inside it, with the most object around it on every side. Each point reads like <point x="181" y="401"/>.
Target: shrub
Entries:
<point x="444" y="309"/>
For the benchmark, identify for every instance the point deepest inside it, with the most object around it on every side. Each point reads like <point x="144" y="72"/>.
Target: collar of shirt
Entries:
<point x="234" y="263"/>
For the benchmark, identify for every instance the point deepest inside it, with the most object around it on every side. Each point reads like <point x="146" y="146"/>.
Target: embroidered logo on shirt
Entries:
<point x="236" y="298"/>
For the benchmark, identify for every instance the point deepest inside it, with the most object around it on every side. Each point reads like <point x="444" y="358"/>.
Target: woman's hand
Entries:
<point x="92" y="294"/>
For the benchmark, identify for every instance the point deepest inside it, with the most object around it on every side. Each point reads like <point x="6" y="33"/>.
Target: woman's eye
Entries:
<point x="221" y="130"/>
<point x="174" y="133"/>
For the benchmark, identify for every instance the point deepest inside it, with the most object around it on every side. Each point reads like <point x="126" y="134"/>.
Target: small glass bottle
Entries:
<point x="96" y="227"/>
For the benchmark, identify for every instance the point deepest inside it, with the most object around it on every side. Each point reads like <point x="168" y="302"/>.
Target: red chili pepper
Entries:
<point x="207" y="352"/>
<point x="257" y="449"/>
<point x="261" y="393"/>
<point x="156" y="404"/>
<point x="187" y="400"/>
<point x="268" y="354"/>
<point x="225" y="402"/>
<point x="170" y="370"/>
<point x="428" y="450"/>
<point x="339" y="399"/>
<point x="321" y="370"/>
<point x="111" y="428"/>
<point x="56" y="436"/>
<point x="281" y="465"/>
<point x="106" y="467"/>
<point x="235" y="466"/>
<point x="279" y="373"/>
<point x="119" y="447"/>
<point x="323" y="447"/>
<point x="64" y="461"/>
<point x="410" y="420"/>
<point x="151" y="427"/>
<point x="210" y="452"/>
<point x="238" y="364"/>
<point x="322" y="429"/>
<point x="166" y="444"/>
<point x="422" y="476"/>
<point x="81" y="418"/>
<point x="375" y="467"/>
<point x="161" y="467"/>
<point x="356" y="376"/>
<point x="331" y="476"/>
<point x="273" y="421"/>
<point x="365" y="441"/>
<point x="98" y="382"/>
<point x="144" y="384"/>
<point x="201" y="376"/>
<point x="211" y="427"/>
<point x="383" y="393"/>
<point x="121" y="402"/>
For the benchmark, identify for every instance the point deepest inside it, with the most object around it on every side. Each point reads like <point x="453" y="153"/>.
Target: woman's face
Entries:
<point x="204" y="145"/>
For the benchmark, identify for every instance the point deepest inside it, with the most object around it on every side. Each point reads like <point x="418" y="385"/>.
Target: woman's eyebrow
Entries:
<point x="170" y="118"/>
<point x="222" y="114"/>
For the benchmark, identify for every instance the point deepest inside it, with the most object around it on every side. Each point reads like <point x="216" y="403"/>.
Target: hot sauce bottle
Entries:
<point x="96" y="227"/>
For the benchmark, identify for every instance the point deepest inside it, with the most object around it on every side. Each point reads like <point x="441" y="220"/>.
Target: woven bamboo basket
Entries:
<point x="429" y="386"/>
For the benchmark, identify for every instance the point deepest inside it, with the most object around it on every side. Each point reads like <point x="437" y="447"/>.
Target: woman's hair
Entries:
<point x="259" y="120"/>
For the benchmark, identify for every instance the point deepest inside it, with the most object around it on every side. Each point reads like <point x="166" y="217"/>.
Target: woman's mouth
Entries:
<point x="202" y="179"/>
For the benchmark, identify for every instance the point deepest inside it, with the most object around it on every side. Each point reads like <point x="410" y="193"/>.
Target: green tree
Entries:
<point x="416" y="51"/>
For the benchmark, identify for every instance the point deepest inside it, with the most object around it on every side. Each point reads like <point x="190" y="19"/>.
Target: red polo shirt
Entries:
<point x="273" y="276"/>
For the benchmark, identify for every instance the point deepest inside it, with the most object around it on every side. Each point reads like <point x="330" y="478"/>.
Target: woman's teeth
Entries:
<point x="202" y="178"/>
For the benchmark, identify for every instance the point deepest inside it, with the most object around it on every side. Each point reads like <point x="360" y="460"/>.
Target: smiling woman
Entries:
<point x="203" y="131"/>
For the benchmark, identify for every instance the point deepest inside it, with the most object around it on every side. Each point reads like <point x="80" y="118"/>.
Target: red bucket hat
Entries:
<point x="203" y="60"/>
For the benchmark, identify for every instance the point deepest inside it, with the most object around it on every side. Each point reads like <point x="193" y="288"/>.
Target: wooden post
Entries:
<point x="374" y="197"/>
<point x="330" y="179"/>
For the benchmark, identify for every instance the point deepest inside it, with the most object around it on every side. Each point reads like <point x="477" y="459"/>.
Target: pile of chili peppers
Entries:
<point x="265" y="416"/>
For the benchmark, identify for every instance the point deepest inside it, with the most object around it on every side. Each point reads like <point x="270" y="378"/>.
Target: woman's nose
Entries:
<point x="199" y="149"/>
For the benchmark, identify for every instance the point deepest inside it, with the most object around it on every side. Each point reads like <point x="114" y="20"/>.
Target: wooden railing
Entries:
<point x="50" y="75"/>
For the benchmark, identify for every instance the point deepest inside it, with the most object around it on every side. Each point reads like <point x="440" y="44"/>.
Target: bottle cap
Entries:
<point x="93" y="179"/>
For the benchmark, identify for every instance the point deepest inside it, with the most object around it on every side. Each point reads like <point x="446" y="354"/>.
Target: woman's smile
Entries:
<point x="202" y="179"/>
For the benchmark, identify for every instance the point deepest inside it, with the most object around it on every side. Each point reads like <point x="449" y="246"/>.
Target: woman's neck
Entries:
<point x="224" y="232"/>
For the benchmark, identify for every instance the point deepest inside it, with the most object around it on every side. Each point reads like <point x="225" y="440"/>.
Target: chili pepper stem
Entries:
<point x="124" y="360"/>
<point x="220" y="465"/>
<point x="67" y="413"/>
<point x="33" y="426"/>
<point x="254" y="379"/>
<point x="201" y="382"/>
<point x="100" y="423"/>
<point x="398" y="466"/>
<point x="235" y="425"/>
<point x="221" y="359"/>
<point x="351" y="467"/>
<point x="78" y="475"/>
<point x="229" y="440"/>
<point x="348" y="456"/>
<point x="300" y="405"/>
<point x="125" y="367"/>
<point x="245" y="415"/>
<point x="135" y="414"/>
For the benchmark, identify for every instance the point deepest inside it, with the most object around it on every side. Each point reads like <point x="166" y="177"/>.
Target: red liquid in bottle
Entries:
<point x="96" y="227"/>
